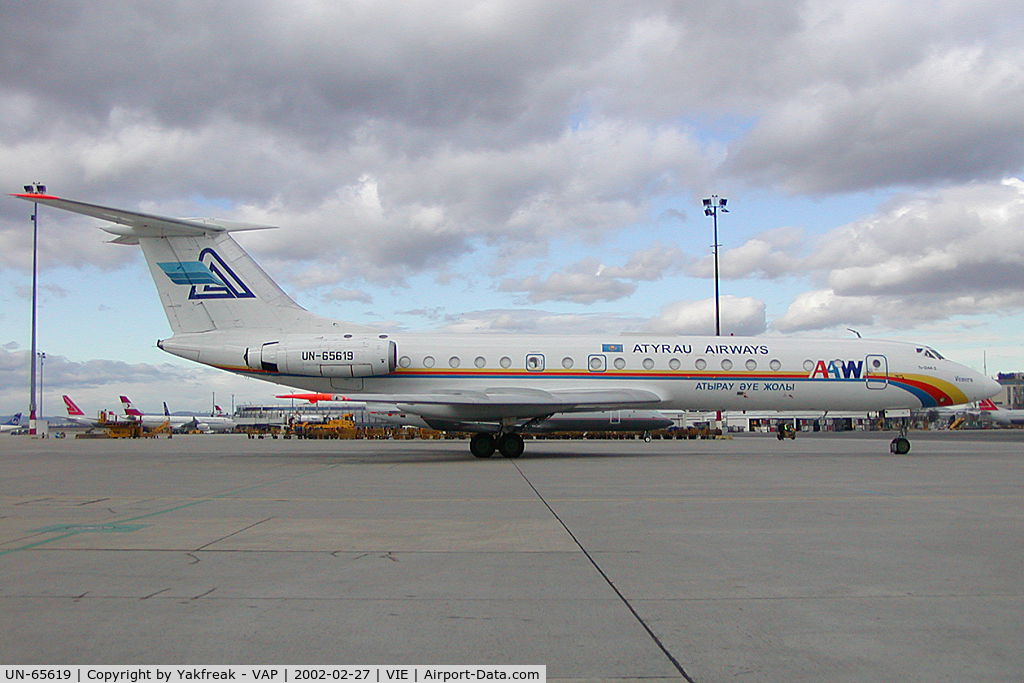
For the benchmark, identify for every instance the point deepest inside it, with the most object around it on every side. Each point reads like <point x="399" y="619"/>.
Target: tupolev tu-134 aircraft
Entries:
<point x="226" y="312"/>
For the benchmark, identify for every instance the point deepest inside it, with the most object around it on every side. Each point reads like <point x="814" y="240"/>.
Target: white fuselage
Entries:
<point x="686" y="373"/>
<point x="184" y="422"/>
<point x="226" y="312"/>
<point x="1004" y="416"/>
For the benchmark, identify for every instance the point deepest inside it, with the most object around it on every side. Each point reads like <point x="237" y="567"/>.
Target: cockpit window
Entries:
<point x="930" y="353"/>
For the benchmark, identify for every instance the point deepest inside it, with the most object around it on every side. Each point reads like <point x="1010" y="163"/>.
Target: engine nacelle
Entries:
<point x="325" y="356"/>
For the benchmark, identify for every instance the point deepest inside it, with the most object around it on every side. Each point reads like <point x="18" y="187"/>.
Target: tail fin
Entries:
<point x="73" y="410"/>
<point x="167" y="413"/>
<point x="209" y="282"/>
<point x="128" y="409"/>
<point x="205" y="280"/>
<point x="987" y="404"/>
<point x="15" y="419"/>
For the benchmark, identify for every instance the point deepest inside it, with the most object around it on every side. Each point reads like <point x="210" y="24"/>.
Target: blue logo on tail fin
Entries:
<point x="210" y="277"/>
<point x="190" y="273"/>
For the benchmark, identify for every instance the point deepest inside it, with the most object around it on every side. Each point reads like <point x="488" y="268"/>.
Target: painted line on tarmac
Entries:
<point x="611" y="584"/>
<point x="75" y="529"/>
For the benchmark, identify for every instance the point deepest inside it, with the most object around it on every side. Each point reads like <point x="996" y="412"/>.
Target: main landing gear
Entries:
<point x="509" y="444"/>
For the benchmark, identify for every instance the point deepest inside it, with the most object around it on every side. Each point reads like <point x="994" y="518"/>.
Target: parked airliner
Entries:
<point x="11" y="424"/>
<point x="226" y="312"/>
<point x="106" y="418"/>
<point x="178" y="423"/>
<point x="1002" y="416"/>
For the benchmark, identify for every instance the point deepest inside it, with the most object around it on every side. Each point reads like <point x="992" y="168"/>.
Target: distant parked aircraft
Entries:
<point x="105" y="419"/>
<point x="1001" y="416"/>
<point x="200" y="423"/>
<point x="12" y="424"/>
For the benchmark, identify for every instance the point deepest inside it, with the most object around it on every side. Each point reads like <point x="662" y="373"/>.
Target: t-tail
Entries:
<point x="205" y="280"/>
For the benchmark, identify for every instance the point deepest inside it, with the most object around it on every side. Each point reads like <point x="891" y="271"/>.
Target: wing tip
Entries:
<point x="32" y="195"/>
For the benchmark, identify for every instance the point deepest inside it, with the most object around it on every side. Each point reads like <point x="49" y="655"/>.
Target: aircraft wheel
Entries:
<point x="511" y="445"/>
<point x="900" y="446"/>
<point x="482" y="445"/>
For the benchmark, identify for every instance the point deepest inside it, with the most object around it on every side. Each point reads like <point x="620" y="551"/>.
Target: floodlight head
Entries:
<point x="707" y="202"/>
<point x="722" y="201"/>
<point x="28" y="190"/>
<point x="41" y="189"/>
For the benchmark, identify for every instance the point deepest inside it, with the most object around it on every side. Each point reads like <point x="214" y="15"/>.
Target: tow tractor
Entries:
<point x="785" y="431"/>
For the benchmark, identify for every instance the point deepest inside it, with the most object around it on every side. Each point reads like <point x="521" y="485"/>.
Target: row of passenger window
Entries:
<point x="535" y="362"/>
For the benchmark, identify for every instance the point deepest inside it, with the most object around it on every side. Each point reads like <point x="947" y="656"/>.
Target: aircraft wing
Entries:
<point x="510" y="402"/>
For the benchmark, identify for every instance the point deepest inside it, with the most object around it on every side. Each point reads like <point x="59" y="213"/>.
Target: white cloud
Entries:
<point x="589" y="281"/>
<point x="342" y="294"/>
<point x="771" y="254"/>
<point x="585" y="282"/>
<point x="471" y="141"/>
<point x="532" y="321"/>
<point x="959" y="251"/>
<point x="650" y="264"/>
<point x="956" y="115"/>
<point x="823" y="309"/>
<point x="738" y="315"/>
<point x="968" y="238"/>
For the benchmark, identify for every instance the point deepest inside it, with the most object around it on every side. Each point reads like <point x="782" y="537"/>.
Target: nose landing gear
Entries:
<point x="901" y="444"/>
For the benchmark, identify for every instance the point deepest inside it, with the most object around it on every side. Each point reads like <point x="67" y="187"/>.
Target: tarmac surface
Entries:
<point x="821" y="559"/>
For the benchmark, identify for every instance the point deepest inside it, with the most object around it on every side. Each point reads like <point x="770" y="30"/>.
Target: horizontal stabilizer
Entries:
<point x="138" y="224"/>
<point x="204" y="278"/>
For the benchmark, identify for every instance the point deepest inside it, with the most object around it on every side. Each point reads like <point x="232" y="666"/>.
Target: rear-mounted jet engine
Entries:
<point x="324" y="356"/>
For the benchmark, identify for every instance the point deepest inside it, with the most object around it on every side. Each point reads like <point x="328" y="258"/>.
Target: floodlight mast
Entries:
<point x="35" y="188"/>
<point x="712" y="205"/>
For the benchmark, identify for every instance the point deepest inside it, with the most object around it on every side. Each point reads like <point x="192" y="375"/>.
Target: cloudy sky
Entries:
<point x="519" y="166"/>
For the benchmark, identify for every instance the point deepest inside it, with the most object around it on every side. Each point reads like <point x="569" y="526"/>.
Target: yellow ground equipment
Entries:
<point x="786" y="431"/>
<point x="337" y="428"/>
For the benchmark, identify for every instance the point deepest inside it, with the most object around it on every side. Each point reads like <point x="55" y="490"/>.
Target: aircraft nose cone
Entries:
<point x="989" y="388"/>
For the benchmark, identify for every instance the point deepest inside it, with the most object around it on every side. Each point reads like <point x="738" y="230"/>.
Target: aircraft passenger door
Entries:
<point x="876" y="372"/>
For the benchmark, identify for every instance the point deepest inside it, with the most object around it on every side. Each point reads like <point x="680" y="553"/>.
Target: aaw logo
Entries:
<point x="837" y="369"/>
<point x="210" y="277"/>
